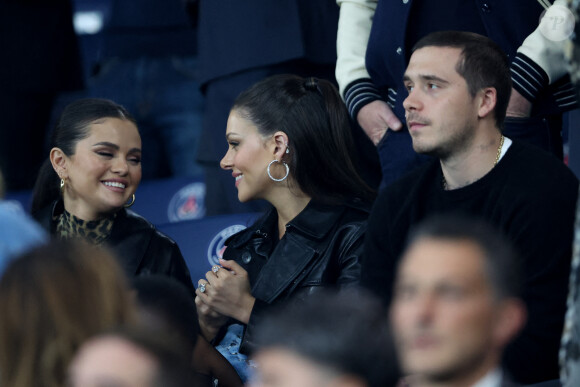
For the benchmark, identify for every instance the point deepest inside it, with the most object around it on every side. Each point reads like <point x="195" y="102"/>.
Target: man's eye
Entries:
<point x="433" y="86"/>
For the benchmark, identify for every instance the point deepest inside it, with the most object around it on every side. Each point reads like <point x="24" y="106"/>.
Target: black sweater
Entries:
<point x="531" y="196"/>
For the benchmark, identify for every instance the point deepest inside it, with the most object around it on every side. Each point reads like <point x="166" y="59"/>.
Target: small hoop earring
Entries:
<point x="61" y="187"/>
<point x="270" y="175"/>
<point x="127" y="205"/>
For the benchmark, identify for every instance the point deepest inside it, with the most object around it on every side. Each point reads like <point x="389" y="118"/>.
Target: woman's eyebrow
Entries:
<point x="106" y="143"/>
<point x="115" y="146"/>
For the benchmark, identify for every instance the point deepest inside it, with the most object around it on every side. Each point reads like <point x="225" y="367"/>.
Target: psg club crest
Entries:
<point x="187" y="203"/>
<point x="216" y="248"/>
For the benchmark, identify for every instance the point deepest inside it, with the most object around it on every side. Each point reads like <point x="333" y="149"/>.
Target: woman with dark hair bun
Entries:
<point x="90" y="177"/>
<point x="289" y="144"/>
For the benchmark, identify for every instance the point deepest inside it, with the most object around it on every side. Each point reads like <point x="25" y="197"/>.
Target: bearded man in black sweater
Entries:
<point x="459" y="87"/>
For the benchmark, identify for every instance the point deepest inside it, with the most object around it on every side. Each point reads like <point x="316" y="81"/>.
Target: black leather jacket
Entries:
<point x="139" y="246"/>
<point x="321" y="248"/>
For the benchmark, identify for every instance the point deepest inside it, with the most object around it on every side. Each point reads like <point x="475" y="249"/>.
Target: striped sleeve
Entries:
<point x="358" y="94"/>
<point x="528" y="78"/>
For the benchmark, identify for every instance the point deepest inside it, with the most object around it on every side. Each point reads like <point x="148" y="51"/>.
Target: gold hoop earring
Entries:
<point x="127" y="205"/>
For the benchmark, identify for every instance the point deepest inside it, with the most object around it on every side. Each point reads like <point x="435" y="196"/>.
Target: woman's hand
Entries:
<point x="227" y="291"/>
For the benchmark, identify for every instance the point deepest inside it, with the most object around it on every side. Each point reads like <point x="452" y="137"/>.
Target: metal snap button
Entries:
<point x="246" y="257"/>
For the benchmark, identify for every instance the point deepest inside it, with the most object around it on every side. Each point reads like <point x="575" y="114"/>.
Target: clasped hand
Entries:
<point x="226" y="294"/>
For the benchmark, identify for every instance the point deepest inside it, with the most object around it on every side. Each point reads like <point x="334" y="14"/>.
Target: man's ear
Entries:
<point x="59" y="161"/>
<point x="511" y="319"/>
<point x="280" y="144"/>
<point x="488" y="102"/>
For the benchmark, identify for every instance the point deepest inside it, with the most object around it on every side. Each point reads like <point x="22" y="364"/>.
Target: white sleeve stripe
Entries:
<point x="357" y="89"/>
<point x="531" y="95"/>
<point x="526" y="64"/>
<point x="362" y="94"/>
<point x="527" y="80"/>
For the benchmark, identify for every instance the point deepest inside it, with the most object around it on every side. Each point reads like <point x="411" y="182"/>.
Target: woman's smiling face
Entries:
<point x="247" y="157"/>
<point x="105" y="169"/>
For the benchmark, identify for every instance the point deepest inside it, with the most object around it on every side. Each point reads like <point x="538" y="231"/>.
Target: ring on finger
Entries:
<point x="215" y="269"/>
<point x="202" y="287"/>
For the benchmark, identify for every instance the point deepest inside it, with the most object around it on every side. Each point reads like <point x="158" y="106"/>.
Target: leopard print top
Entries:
<point x="96" y="231"/>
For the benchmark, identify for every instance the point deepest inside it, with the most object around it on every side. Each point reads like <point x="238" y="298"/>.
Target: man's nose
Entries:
<point x="413" y="101"/>
<point x="425" y="307"/>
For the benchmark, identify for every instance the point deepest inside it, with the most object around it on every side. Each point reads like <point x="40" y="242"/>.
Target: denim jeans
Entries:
<point x="164" y="97"/>
<point x="229" y="347"/>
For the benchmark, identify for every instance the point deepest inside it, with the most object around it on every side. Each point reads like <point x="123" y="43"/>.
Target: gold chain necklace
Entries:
<point x="444" y="182"/>
<point x="499" y="150"/>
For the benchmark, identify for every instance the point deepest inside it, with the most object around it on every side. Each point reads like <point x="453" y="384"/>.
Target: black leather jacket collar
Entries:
<point x="138" y="245"/>
<point x="314" y="222"/>
<point x="321" y="248"/>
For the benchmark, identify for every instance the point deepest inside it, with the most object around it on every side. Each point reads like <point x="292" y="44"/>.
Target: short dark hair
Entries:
<point x="73" y="126"/>
<point x="172" y="303"/>
<point x="311" y="112"/>
<point x="347" y="332"/>
<point x="501" y="260"/>
<point x="483" y="64"/>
